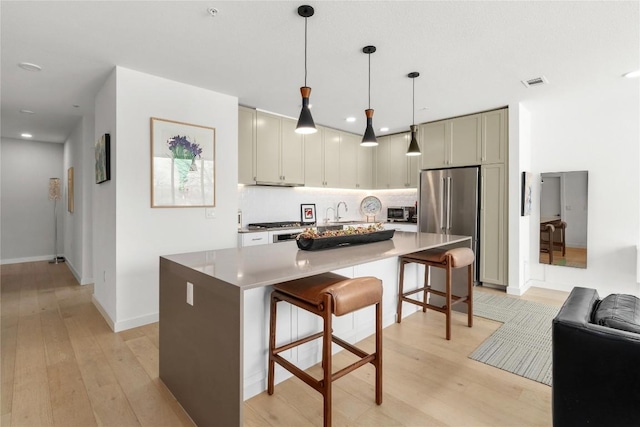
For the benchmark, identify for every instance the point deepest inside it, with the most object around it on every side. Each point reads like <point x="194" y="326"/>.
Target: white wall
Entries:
<point x="76" y="222"/>
<point x="142" y="233"/>
<point x="597" y="130"/>
<point x="27" y="227"/>
<point x="104" y="208"/>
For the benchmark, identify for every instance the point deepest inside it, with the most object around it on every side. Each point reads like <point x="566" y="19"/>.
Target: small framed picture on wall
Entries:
<point x="308" y="213"/>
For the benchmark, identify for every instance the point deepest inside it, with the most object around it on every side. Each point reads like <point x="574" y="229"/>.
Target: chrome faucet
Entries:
<point x="326" y="214"/>
<point x="346" y="209"/>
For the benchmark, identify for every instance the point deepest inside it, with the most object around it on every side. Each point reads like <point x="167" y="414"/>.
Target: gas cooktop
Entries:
<point x="282" y="224"/>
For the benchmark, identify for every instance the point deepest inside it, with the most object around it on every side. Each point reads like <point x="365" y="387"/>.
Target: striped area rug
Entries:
<point x="523" y="344"/>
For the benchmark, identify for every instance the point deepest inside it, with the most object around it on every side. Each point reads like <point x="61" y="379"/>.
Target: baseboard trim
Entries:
<point x="103" y="312"/>
<point x="137" y="321"/>
<point x="126" y="324"/>
<point x="27" y="259"/>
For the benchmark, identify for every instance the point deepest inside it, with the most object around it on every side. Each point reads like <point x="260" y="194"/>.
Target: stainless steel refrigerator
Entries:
<point x="449" y="204"/>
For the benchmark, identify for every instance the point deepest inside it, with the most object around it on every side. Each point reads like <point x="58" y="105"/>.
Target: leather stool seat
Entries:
<point x="326" y="295"/>
<point x="447" y="259"/>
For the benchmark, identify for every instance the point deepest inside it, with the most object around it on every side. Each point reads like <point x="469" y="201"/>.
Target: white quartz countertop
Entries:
<point x="263" y="265"/>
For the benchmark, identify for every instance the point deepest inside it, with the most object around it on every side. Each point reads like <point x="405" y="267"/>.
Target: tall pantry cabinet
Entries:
<point x="477" y="139"/>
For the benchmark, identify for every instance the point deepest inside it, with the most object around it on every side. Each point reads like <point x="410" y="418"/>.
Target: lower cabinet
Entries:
<point x="493" y="224"/>
<point x="253" y="239"/>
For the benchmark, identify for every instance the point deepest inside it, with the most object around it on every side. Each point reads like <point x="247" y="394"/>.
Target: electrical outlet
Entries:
<point x="189" y="293"/>
<point x="210" y="213"/>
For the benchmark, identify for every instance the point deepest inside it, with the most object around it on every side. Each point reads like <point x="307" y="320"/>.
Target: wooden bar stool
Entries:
<point x="325" y="295"/>
<point x="441" y="258"/>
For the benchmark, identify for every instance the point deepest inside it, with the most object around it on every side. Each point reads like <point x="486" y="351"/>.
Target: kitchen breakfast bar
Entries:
<point x="214" y="314"/>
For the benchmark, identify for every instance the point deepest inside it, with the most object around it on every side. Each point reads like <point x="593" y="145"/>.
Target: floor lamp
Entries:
<point x="55" y="195"/>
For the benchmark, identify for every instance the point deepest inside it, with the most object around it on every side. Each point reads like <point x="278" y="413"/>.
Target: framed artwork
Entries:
<point x="308" y="213"/>
<point x="527" y="182"/>
<point x="182" y="164"/>
<point x="103" y="159"/>
<point x="70" y="189"/>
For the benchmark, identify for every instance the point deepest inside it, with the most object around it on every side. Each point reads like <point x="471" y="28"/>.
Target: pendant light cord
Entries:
<point x="369" y="81"/>
<point x="305" y="52"/>
<point x="414" y="101"/>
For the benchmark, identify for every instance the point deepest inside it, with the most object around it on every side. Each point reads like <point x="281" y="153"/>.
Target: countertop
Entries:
<point x="257" y="266"/>
<point x="303" y="226"/>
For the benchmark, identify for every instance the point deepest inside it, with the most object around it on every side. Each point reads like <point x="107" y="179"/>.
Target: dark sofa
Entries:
<point x="596" y="368"/>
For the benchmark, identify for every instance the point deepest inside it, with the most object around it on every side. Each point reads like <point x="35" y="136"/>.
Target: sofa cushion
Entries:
<point x="619" y="311"/>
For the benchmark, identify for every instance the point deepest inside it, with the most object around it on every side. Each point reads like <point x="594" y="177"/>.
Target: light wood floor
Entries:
<point x="62" y="366"/>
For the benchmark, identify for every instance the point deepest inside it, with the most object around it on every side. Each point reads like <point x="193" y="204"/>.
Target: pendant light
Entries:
<point x="369" y="137"/>
<point x="305" y="122"/>
<point x="414" y="148"/>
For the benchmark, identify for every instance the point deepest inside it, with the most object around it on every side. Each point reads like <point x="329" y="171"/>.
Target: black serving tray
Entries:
<point x="337" y="241"/>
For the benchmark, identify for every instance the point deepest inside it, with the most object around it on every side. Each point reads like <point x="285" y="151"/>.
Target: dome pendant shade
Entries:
<point x="369" y="137"/>
<point x="414" y="148"/>
<point x="305" y="122"/>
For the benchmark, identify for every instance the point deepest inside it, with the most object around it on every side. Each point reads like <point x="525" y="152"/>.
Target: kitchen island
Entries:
<point x="214" y="314"/>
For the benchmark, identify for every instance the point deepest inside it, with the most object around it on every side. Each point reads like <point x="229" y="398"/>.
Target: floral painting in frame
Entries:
<point x="182" y="164"/>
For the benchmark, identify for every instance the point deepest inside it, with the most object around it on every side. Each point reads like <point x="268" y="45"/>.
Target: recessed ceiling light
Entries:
<point x="29" y="66"/>
<point x="632" y="74"/>
<point x="212" y="11"/>
<point x="26" y="135"/>
<point x="25" y="111"/>
<point x="350" y="119"/>
<point x="75" y="106"/>
<point x="384" y="129"/>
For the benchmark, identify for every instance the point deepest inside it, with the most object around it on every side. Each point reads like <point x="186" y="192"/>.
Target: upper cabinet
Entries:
<point x="464" y="141"/>
<point x="279" y="151"/>
<point x="394" y="169"/>
<point x="494" y="136"/>
<point x="246" y="145"/>
<point x="334" y="159"/>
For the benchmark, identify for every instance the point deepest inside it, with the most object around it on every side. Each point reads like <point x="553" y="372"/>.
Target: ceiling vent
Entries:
<point x="537" y="81"/>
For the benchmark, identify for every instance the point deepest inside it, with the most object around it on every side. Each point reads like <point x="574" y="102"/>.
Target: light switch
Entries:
<point x="189" y="293"/>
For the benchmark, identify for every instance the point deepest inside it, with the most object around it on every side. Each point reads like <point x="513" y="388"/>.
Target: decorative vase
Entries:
<point x="183" y="166"/>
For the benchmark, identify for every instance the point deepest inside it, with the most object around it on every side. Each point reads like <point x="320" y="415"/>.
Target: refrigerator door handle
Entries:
<point x="449" y="186"/>
<point x="443" y="187"/>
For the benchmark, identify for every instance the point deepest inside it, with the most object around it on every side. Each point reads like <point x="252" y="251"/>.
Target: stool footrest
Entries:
<point x="317" y="385"/>
<point x="297" y="342"/>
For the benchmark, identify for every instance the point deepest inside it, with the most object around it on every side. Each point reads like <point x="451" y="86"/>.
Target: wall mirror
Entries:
<point x="563" y="218"/>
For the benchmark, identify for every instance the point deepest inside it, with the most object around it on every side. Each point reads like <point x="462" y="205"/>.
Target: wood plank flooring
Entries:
<point x="62" y="366"/>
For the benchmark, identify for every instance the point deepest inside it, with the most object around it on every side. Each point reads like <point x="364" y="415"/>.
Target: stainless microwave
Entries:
<point x="401" y="214"/>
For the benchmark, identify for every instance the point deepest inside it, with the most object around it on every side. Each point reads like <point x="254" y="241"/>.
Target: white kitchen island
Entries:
<point x="213" y="354"/>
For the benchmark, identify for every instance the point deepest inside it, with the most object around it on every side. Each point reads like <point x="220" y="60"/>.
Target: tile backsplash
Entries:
<point x="269" y="204"/>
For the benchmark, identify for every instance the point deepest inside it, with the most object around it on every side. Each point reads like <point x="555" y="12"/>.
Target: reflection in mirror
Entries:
<point x="563" y="218"/>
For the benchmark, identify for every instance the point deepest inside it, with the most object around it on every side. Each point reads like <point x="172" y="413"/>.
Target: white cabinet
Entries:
<point x="401" y="226"/>
<point x="493" y="224"/>
<point x="279" y="151"/>
<point x="322" y="158"/>
<point x="253" y="239"/>
<point x="453" y="142"/>
<point x="334" y="159"/>
<point x="246" y="145"/>
<point x="394" y="169"/>
<point x="494" y="136"/>
<point x="465" y="141"/>
<point x="356" y="162"/>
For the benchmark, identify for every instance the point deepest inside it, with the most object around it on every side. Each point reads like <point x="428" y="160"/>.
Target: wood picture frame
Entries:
<point x="70" y="189"/>
<point x="182" y="164"/>
<point x="308" y="213"/>
<point x="103" y="159"/>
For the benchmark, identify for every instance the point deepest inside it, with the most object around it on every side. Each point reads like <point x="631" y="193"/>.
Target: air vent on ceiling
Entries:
<point x="537" y="81"/>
